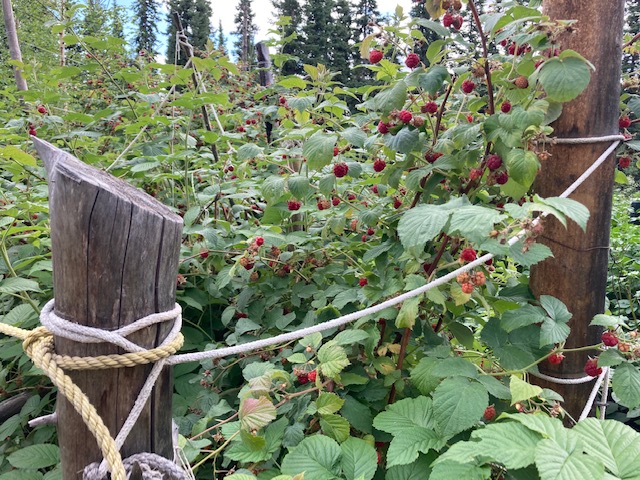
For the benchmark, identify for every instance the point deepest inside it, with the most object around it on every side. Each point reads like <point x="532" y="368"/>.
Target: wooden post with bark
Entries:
<point x="115" y="259"/>
<point x="14" y="44"/>
<point x="577" y="274"/>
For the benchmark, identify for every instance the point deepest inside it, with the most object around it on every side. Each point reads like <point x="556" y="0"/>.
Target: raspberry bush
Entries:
<point x="356" y="196"/>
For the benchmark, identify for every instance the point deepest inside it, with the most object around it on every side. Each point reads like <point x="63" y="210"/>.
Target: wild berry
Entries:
<point x="374" y="189"/>
<point x="429" y="107"/>
<point x="468" y="86"/>
<point x="336" y="151"/>
<point x="467" y="288"/>
<point x="364" y="238"/>
<point x="363" y="281"/>
<point x="340" y="169"/>
<point x="505" y="107"/>
<point x="397" y="203"/>
<point x="470" y="118"/>
<point x="468" y="255"/>
<point x="405" y="116"/>
<point x="259" y="241"/>
<point x="412" y="60"/>
<point x="247" y="262"/>
<point x="335" y="201"/>
<point x="417" y="121"/>
<point x="624" y="122"/>
<point x="375" y="56"/>
<point x="379" y="164"/>
<point x="447" y="19"/>
<point x="556" y="358"/>
<point x="351" y="197"/>
<point x="294" y="205"/>
<point x="475" y="174"/>
<point x="502" y="178"/>
<point x="494" y="162"/>
<point x="33" y="132"/>
<point x="478" y="279"/>
<point x="383" y="127"/>
<point x="609" y="339"/>
<point x="463" y="277"/>
<point x="312" y="375"/>
<point x="240" y="129"/>
<point x="591" y="368"/>
<point x="431" y="157"/>
<point x="323" y="204"/>
<point x="283" y="101"/>
<point x="370" y="231"/>
<point x="521" y="82"/>
<point x="303" y="378"/>
<point x="457" y="22"/>
<point x="204" y="253"/>
<point x="624" y="162"/>
<point x="489" y="413"/>
<point x="42" y="109"/>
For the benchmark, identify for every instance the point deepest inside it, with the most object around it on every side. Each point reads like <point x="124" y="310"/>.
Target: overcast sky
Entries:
<point x="225" y="10"/>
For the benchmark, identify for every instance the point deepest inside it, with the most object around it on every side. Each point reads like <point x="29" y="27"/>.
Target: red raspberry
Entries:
<point x="370" y="231"/>
<point x="470" y="118"/>
<point x="556" y="358"/>
<point x="468" y="86"/>
<point x="494" y="162"/>
<point x="397" y="203"/>
<point x="478" y="279"/>
<point x="405" y="116"/>
<point x="259" y="241"/>
<point x="521" y="82"/>
<point x="340" y="169"/>
<point x="447" y="19"/>
<point x="624" y="122"/>
<point x="379" y="456"/>
<point x="431" y="157"/>
<point x="375" y="56"/>
<point x="312" y="375"/>
<point x="412" y="60"/>
<point x="591" y="368"/>
<point x="240" y="129"/>
<point x="247" y="263"/>
<point x="336" y="151"/>
<point x="204" y="253"/>
<point x="323" y="204"/>
<point x="502" y="178"/>
<point x="33" y="132"/>
<point x="42" y="109"/>
<point x="624" y="162"/>
<point x="364" y="238"/>
<point x="303" y="378"/>
<point x="468" y="255"/>
<point x="467" y="288"/>
<point x="429" y="107"/>
<point x="374" y="189"/>
<point x="475" y="174"/>
<point x="609" y="339"/>
<point x="363" y="281"/>
<point x="293" y="205"/>
<point x="383" y="127"/>
<point x="283" y="101"/>
<point x="241" y="315"/>
<point x="489" y="413"/>
<point x="335" y="201"/>
<point x="505" y="107"/>
<point x="351" y="197"/>
<point x="379" y="165"/>
<point x="457" y="22"/>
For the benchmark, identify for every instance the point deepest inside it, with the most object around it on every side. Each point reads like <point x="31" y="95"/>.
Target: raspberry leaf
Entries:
<point x="335" y="426"/>
<point x="564" y="77"/>
<point x="521" y="390"/>
<point x="420" y="225"/>
<point x="626" y="385"/>
<point x="359" y="459"/>
<point x="566" y="462"/>
<point x="458" y="403"/>
<point x="317" y="456"/>
<point x="332" y="359"/>
<point x="318" y="149"/>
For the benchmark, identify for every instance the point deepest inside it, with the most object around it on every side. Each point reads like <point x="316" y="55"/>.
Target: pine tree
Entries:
<point x="200" y="25"/>
<point x="195" y="17"/>
<point x="366" y="12"/>
<point x="316" y="32"/>
<point x="222" y="40"/>
<point x="341" y="51"/>
<point x="146" y="18"/>
<point x="293" y="47"/>
<point x="419" y="11"/>
<point x="245" y="32"/>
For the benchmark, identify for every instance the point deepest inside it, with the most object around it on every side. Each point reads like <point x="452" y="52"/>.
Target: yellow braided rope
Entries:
<point x="39" y="345"/>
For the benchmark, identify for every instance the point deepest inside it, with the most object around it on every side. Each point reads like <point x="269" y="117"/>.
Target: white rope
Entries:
<point x="584" y="140"/>
<point x="594" y="392"/>
<point x="563" y="381"/>
<point x="605" y="394"/>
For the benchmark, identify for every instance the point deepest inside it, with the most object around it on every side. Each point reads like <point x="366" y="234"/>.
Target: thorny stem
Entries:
<point x="485" y="54"/>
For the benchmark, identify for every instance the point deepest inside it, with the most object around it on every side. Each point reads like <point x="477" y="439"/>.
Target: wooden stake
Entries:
<point x="577" y="274"/>
<point x="115" y="255"/>
<point x="14" y="44"/>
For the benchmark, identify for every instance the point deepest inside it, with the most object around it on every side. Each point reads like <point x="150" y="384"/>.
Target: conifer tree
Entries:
<point x="317" y="32"/>
<point x="245" y="33"/>
<point x="366" y="12"/>
<point x="200" y="25"/>
<point x="195" y="16"/>
<point x="222" y="40"/>
<point x="341" y="51"/>
<point x="293" y="47"/>
<point x="146" y="19"/>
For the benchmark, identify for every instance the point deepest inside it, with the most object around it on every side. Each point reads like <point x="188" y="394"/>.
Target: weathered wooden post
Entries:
<point x="115" y="259"/>
<point x="577" y="274"/>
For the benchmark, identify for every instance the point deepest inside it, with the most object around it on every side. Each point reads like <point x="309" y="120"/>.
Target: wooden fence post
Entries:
<point x="577" y="274"/>
<point x="115" y="259"/>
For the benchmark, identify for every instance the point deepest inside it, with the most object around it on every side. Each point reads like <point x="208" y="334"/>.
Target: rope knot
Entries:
<point x="38" y="337"/>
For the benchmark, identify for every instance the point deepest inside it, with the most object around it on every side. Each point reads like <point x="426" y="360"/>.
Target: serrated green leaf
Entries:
<point x="404" y="141"/>
<point x="248" y="150"/>
<point x="553" y="332"/>
<point x="404" y="449"/>
<point x="328" y="403"/>
<point x="359" y="459"/>
<point x="495" y="387"/>
<point x="458" y="403"/>
<point x="521" y="390"/>
<point x="418" y="470"/>
<point x="317" y="456"/>
<point x="556" y="309"/>
<point x="405" y="414"/>
<point x="421" y="225"/>
<point x="422" y="375"/>
<point x="408" y="313"/>
<point x="572" y="209"/>
<point x="273" y="188"/>
<point x="522" y="166"/>
<point x="474" y="222"/>
<point x="456" y="471"/>
<point x="35" y="456"/>
<point x="432" y="80"/>
<point x="318" y="149"/>
<point x="335" y="427"/>
<point x="614" y="444"/>
<point x="17" y="284"/>
<point x="626" y="385"/>
<point x="521" y="317"/>
<point x="455" y="366"/>
<point x="609" y="321"/>
<point x="392" y="98"/>
<point x="350" y="337"/>
<point x="510" y="444"/>
<point x="332" y="359"/>
<point x="557" y="463"/>
<point x="298" y="185"/>
<point x="564" y="78"/>
<point x="256" y="413"/>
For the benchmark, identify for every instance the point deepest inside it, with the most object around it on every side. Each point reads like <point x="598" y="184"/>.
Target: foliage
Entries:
<point x="361" y="195"/>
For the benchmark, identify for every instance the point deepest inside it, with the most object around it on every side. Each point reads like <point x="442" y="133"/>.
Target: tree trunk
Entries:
<point x="115" y="255"/>
<point x="14" y="44"/>
<point x="577" y="274"/>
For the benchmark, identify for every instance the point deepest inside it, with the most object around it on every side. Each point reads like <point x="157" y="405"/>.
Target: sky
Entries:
<point x="225" y="10"/>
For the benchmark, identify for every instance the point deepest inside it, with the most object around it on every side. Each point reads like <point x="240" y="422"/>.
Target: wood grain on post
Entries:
<point x="115" y="259"/>
<point x="577" y="274"/>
